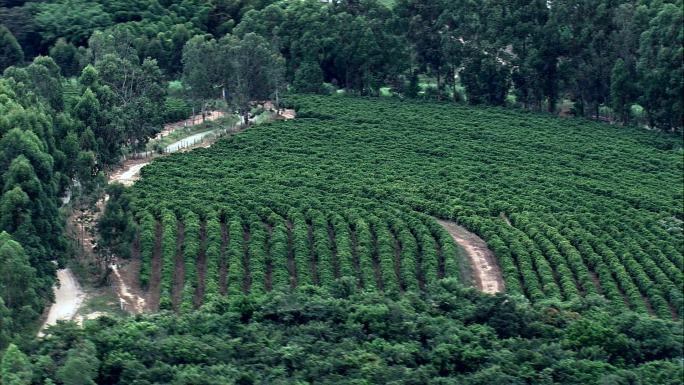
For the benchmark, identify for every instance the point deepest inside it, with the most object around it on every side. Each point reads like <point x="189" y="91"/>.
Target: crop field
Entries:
<point x="353" y="187"/>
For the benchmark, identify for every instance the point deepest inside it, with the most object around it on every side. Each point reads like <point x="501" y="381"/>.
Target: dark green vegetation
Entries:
<point x="57" y="136"/>
<point x="577" y="213"/>
<point x="348" y="188"/>
<point x="447" y="336"/>
<point x="603" y="57"/>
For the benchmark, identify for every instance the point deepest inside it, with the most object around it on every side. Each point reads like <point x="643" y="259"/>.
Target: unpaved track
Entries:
<point x="485" y="269"/>
<point x="197" y="119"/>
<point x="68" y="294"/>
<point x="129" y="301"/>
<point x="68" y="299"/>
<point x="129" y="173"/>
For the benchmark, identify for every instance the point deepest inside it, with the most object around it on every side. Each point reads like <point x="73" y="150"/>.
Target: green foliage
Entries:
<point x="353" y="186"/>
<point x="18" y="288"/>
<point x="81" y="365"/>
<point x="116" y="227"/>
<point x="68" y="57"/>
<point x="660" y="66"/>
<point x="15" y="368"/>
<point x="10" y="50"/>
<point x="238" y="70"/>
<point x="308" y="78"/>
<point x="73" y="20"/>
<point x="448" y="335"/>
<point x="176" y="109"/>
<point x="485" y="81"/>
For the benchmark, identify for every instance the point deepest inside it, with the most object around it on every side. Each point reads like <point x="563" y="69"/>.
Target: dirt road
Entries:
<point x="194" y="120"/>
<point x="128" y="174"/>
<point x="485" y="269"/>
<point x="189" y="141"/>
<point x="129" y="301"/>
<point x="68" y="299"/>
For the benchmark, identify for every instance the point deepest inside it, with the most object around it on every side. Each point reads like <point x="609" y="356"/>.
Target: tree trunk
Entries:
<point x="245" y="117"/>
<point x="597" y="111"/>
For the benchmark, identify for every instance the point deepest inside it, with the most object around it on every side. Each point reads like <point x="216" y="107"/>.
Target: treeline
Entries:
<point x="34" y="166"/>
<point x="613" y="59"/>
<point x="450" y="335"/>
<point x="57" y="136"/>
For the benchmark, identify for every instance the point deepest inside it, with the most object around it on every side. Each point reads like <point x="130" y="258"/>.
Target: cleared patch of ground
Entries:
<point x="68" y="299"/>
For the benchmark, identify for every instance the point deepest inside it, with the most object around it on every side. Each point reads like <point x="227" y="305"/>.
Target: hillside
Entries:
<point x="346" y="197"/>
<point x="352" y="187"/>
<point x="405" y="192"/>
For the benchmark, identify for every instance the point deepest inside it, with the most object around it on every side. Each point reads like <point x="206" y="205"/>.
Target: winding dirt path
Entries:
<point x="68" y="299"/>
<point x="485" y="269"/>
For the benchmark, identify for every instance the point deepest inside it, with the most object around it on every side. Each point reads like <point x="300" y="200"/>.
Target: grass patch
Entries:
<point x="101" y="300"/>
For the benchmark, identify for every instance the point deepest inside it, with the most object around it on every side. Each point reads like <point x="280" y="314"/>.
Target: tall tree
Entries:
<point x="17" y="281"/>
<point x="308" y="77"/>
<point x="420" y="21"/>
<point x="486" y="80"/>
<point x="239" y="70"/>
<point x="255" y="71"/>
<point x="586" y="29"/>
<point x="68" y="57"/>
<point x="81" y="365"/>
<point x="204" y="73"/>
<point x="10" y="50"/>
<point x="15" y="368"/>
<point x="622" y="90"/>
<point x="660" y="67"/>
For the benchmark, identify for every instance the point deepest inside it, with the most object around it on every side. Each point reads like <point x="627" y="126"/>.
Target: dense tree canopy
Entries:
<point x="10" y="50"/>
<point x="531" y="53"/>
<point x="238" y="71"/>
<point x="450" y="335"/>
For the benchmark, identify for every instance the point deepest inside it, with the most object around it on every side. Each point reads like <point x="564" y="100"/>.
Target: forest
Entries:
<point x="609" y="59"/>
<point x="314" y="250"/>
